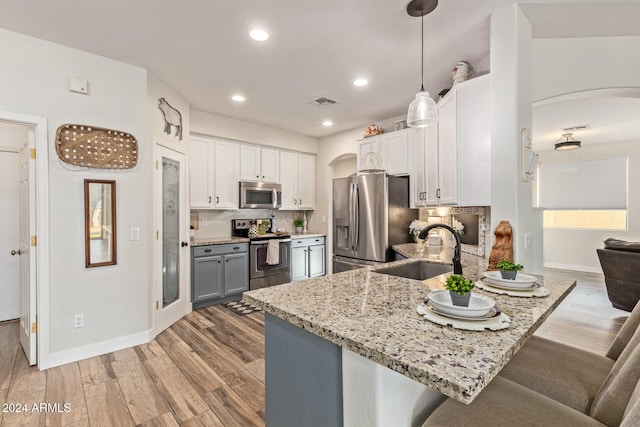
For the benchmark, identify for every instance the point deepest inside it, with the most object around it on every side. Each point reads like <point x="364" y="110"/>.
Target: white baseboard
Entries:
<point x="97" y="349"/>
<point x="573" y="267"/>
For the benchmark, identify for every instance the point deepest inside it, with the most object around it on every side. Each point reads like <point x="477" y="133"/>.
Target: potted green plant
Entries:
<point x="460" y="289"/>
<point x="508" y="269"/>
<point x="297" y="223"/>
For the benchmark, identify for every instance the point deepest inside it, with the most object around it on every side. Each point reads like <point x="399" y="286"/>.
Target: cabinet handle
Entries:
<point x="438" y="193"/>
<point x="235" y="248"/>
<point x="206" y="251"/>
<point x="217" y="199"/>
<point x="226" y="260"/>
<point x="257" y="176"/>
<point x="295" y="201"/>
<point x="209" y="199"/>
<point x="218" y="261"/>
<point x="184" y="244"/>
<point x="262" y="176"/>
<point x="300" y="201"/>
<point x="317" y="240"/>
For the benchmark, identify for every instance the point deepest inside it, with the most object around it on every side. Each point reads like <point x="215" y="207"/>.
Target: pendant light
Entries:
<point x="569" y="142"/>
<point x="422" y="110"/>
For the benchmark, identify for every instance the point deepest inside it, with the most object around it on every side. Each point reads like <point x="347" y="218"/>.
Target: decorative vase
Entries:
<point x="508" y="275"/>
<point x="460" y="300"/>
<point x="299" y="230"/>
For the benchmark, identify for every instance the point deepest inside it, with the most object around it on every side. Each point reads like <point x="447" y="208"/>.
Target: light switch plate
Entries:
<point x="134" y="233"/>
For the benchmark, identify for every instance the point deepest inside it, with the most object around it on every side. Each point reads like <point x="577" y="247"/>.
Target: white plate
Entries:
<point x="529" y="288"/>
<point x="492" y="313"/>
<point x="521" y="281"/>
<point x="479" y="305"/>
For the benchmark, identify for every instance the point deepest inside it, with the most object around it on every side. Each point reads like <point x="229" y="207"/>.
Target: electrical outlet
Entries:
<point x="78" y="320"/>
<point x="203" y="220"/>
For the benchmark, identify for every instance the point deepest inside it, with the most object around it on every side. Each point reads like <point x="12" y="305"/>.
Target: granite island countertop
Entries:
<point x="374" y="315"/>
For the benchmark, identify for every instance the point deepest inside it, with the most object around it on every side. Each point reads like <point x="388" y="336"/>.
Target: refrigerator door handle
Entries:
<point x="356" y="216"/>
<point x="351" y="191"/>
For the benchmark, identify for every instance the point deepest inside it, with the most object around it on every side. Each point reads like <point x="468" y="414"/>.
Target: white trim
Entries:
<point x="573" y="267"/>
<point x="618" y="92"/>
<point x="9" y="149"/>
<point x="99" y="348"/>
<point x="42" y="227"/>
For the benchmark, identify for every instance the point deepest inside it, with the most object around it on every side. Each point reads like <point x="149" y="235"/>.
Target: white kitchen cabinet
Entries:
<point x="307" y="258"/>
<point x="214" y="172"/>
<point x="391" y="152"/>
<point x="259" y="164"/>
<point x="424" y="178"/>
<point x="457" y="157"/>
<point x="201" y="177"/>
<point x="297" y="176"/>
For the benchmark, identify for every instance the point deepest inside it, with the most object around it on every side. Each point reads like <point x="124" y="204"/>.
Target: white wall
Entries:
<point x="567" y="65"/>
<point x="34" y="81"/>
<point x="225" y="127"/>
<point x="345" y="167"/>
<point x="12" y="136"/>
<point x="576" y="249"/>
<point x="511" y="111"/>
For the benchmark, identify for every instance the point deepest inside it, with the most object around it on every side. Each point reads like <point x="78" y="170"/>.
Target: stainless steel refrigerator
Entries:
<point x="370" y="213"/>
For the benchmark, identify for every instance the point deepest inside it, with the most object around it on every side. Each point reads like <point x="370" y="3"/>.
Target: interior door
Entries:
<point x="9" y="237"/>
<point x="170" y="244"/>
<point x="27" y="229"/>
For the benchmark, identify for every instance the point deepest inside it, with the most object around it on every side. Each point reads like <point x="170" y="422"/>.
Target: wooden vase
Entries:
<point x="503" y="248"/>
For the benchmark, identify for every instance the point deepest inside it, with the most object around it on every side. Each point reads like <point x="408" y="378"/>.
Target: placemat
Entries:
<point x="494" y="324"/>
<point x="539" y="292"/>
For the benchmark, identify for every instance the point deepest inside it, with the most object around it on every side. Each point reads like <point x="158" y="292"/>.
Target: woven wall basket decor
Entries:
<point x="95" y="147"/>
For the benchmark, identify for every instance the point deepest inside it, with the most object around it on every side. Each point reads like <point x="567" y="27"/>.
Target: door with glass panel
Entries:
<point x="171" y="299"/>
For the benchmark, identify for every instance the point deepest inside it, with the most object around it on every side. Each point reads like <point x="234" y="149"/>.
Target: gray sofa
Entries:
<point x="620" y="263"/>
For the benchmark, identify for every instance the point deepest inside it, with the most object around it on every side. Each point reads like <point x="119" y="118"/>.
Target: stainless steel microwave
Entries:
<point x="260" y="195"/>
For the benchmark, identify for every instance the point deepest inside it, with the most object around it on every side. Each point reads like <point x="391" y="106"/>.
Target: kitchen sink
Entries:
<point x="419" y="270"/>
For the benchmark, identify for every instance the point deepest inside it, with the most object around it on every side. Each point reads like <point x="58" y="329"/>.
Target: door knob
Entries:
<point x="184" y="244"/>
<point x="13" y="252"/>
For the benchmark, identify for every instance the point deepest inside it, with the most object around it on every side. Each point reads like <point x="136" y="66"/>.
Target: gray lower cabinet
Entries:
<point x="218" y="273"/>
<point x="307" y="258"/>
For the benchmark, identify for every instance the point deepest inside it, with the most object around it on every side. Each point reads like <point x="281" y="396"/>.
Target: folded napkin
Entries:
<point x="273" y="252"/>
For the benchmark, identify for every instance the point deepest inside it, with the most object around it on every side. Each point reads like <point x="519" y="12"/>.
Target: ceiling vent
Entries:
<point x="577" y="128"/>
<point x="324" y="102"/>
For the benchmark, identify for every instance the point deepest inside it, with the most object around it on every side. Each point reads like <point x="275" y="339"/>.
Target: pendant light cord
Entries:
<point x="422" y="53"/>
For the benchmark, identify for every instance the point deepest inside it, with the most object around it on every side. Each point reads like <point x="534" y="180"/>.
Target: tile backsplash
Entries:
<point x="214" y="223"/>
<point x="445" y="214"/>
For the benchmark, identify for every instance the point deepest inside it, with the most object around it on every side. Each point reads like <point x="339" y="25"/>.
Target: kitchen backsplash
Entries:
<point x="445" y="215"/>
<point x="218" y="223"/>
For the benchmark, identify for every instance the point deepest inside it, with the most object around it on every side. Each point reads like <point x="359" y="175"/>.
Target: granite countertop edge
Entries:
<point x="205" y="241"/>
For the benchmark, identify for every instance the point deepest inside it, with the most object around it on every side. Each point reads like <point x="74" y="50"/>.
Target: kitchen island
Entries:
<point x="321" y="333"/>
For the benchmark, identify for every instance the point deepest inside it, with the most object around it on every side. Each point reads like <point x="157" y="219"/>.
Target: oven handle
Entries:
<point x="275" y="198"/>
<point x="262" y="242"/>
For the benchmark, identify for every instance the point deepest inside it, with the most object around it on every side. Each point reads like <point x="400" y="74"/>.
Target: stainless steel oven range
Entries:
<point x="261" y="273"/>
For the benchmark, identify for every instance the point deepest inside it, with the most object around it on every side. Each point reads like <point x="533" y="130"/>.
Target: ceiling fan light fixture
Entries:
<point x="569" y="143"/>
<point x="423" y="110"/>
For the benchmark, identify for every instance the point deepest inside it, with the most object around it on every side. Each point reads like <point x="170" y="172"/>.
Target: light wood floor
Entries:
<point x="208" y="368"/>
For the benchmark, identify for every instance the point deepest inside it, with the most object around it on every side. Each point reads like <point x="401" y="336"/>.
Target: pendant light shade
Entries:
<point x="423" y="110"/>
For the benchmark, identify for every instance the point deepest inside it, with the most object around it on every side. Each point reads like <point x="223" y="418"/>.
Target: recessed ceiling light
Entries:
<point x="360" y="82"/>
<point x="327" y="123"/>
<point x="259" y="35"/>
<point x="238" y="98"/>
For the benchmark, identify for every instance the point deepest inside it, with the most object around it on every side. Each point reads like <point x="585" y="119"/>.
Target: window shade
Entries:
<point x="599" y="184"/>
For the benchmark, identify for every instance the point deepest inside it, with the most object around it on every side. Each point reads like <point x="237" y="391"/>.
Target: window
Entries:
<point x="602" y="219"/>
<point x="584" y="195"/>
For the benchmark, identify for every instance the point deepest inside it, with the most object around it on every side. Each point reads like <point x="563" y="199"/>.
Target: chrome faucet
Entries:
<point x="457" y="266"/>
